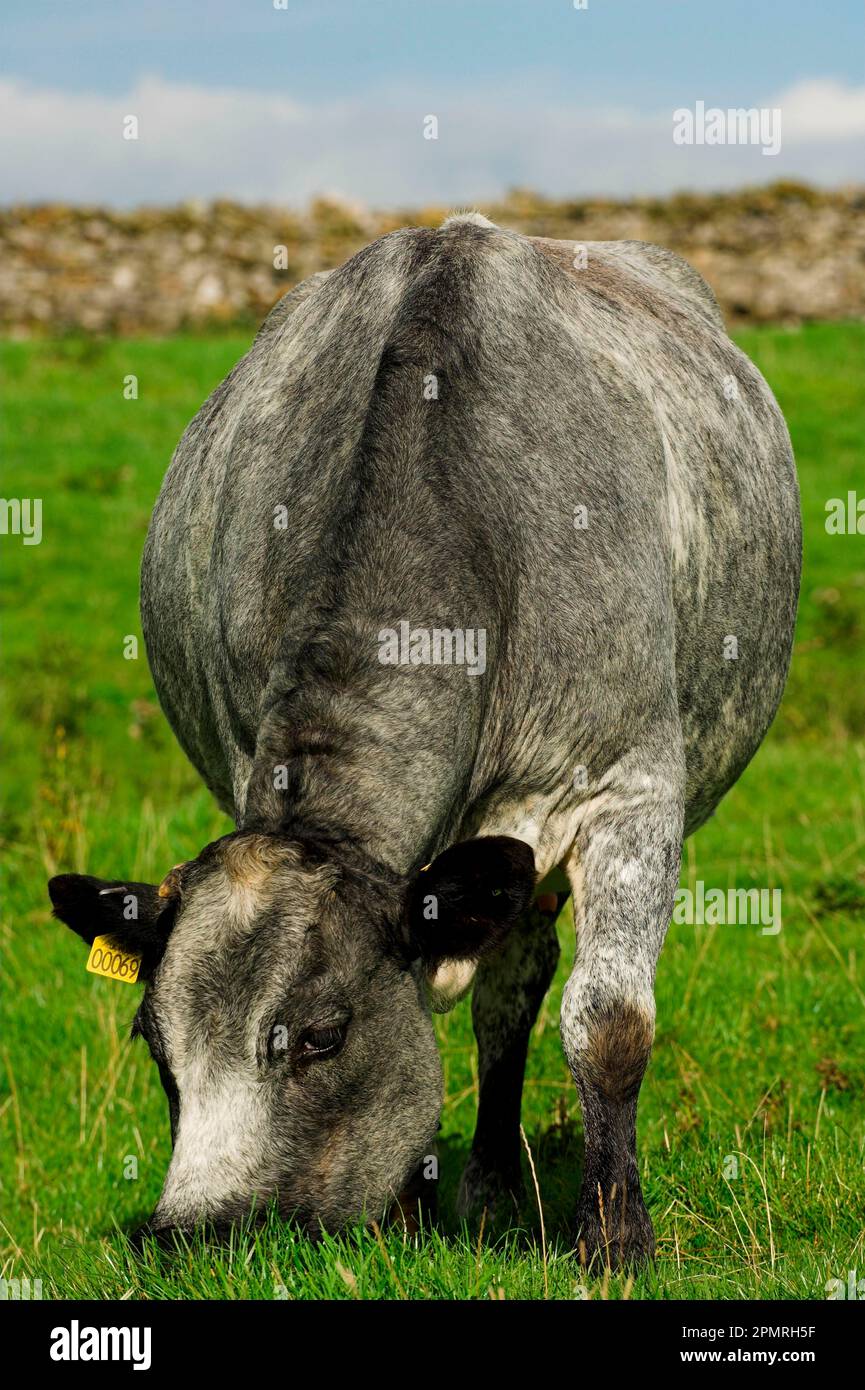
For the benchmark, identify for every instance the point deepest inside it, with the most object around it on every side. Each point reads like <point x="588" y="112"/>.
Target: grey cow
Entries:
<point x="475" y="578"/>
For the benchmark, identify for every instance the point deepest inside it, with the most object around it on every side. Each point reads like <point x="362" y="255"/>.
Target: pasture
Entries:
<point x="752" y="1137"/>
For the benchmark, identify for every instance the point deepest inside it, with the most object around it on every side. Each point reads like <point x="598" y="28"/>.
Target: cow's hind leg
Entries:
<point x="624" y="872"/>
<point x="508" y="991"/>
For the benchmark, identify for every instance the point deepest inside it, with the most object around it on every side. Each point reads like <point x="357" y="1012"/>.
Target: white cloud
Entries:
<point x="256" y="146"/>
<point x="824" y="110"/>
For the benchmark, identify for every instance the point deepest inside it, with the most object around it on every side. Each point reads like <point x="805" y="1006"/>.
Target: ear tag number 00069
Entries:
<point x="106" y="958"/>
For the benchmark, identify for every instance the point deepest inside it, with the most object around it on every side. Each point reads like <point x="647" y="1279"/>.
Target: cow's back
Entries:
<point x="466" y="427"/>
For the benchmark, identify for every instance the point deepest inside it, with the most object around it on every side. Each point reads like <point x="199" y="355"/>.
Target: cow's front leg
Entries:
<point x="508" y="991"/>
<point x="624" y="872"/>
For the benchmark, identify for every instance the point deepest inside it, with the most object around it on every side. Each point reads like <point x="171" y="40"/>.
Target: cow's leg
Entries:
<point x="624" y="871"/>
<point x="508" y="991"/>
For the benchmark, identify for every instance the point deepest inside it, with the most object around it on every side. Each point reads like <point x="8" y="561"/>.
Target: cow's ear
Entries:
<point x="138" y="916"/>
<point x="463" y="903"/>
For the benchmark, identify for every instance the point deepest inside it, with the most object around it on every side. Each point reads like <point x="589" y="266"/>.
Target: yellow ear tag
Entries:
<point x="106" y="958"/>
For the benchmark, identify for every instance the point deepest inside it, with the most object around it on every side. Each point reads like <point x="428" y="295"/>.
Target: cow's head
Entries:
<point x="287" y="994"/>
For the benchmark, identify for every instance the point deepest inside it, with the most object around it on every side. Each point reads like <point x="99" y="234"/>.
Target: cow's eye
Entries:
<point x="321" y="1042"/>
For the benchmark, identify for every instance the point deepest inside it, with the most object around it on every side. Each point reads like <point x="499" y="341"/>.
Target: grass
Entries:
<point x="751" y="1117"/>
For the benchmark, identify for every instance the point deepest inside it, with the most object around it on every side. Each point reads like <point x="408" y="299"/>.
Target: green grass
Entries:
<point x="751" y="1117"/>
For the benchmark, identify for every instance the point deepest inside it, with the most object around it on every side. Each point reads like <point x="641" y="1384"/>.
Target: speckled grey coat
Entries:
<point x="560" y="447"/>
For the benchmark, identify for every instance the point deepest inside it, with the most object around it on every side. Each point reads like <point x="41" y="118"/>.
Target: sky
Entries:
<point x="238" y="98"/>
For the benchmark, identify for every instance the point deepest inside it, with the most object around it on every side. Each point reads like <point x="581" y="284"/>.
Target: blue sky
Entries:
<point x="238" y="98"/>
<point x="645" y="50"/>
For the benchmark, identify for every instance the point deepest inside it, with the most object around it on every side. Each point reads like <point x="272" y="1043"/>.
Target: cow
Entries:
<point x="473" y="585"/>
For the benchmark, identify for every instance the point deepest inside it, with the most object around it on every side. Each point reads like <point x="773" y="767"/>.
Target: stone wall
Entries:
<point x="785" y="254"/>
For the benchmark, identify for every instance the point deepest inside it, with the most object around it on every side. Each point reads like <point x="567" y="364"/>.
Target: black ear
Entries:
<point x="136" y="915"/>
<point x="464" y="903"/>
